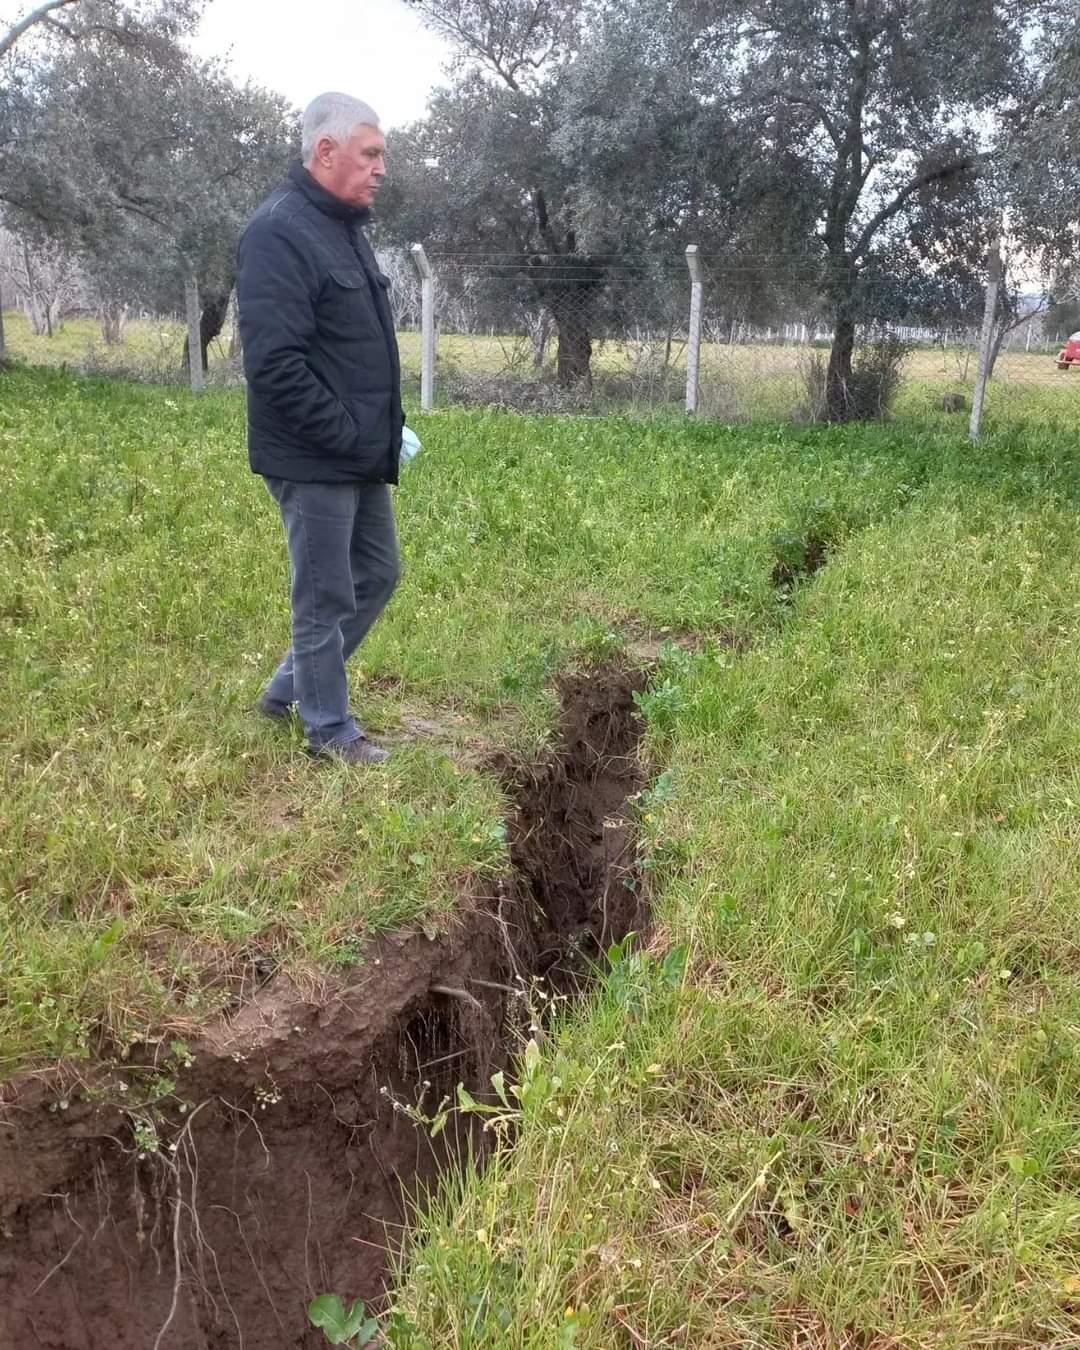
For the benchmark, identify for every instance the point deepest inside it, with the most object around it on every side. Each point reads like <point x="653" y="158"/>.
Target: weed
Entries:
<point x="598" y="642"/>
<point x="660" y="704"/>
<point x="851" y="1116"/>
<point x="352" y="1328"/>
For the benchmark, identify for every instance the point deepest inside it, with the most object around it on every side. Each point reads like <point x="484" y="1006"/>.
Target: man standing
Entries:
<point x="324" y="409"/>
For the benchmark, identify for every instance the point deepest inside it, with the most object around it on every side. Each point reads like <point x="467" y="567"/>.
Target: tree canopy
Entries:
<point x="851" y="139"/>
<point x="130" y="153"/>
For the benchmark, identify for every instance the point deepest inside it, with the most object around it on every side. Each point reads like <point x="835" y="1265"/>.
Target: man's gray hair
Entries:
<point x="336" y="115"/>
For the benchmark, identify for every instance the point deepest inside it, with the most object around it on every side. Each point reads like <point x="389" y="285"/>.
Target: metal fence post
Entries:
<point x="693" y="345"/>
<point x="427" y="327"/>
<point x="986" y="340"/>
<point x="194" y="336"/>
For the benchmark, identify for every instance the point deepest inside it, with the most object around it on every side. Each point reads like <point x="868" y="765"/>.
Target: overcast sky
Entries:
<point x="375" y="49"/>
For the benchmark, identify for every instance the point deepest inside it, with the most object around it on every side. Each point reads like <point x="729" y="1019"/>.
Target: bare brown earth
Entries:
<point x="282" y="1167"/>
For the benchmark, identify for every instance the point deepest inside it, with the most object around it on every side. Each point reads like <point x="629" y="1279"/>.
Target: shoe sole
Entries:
<point x="333" y="755"/>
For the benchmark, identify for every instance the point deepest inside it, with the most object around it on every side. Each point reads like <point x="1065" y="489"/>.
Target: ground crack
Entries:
<point x="304" y="1166"/>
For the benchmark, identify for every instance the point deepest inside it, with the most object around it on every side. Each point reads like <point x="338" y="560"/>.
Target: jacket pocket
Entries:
<point x="345" y="306"/>
<point x="348" y="278"/>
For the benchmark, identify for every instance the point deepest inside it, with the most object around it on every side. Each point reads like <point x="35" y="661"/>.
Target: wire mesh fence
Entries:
<point x="617" y="333"/>
<point x="564" y="334"/>
<point x="753" y="340"/>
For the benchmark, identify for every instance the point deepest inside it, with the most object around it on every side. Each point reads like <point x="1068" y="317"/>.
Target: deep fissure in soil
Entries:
<point x="813" y="554"/>
<point x="283" y="1168"/>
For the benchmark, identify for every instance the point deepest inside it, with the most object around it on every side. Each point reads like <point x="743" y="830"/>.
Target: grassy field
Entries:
<point x="155" y="345"/>
<point x="153" y="829"/>
<point x="852" y="1119"/>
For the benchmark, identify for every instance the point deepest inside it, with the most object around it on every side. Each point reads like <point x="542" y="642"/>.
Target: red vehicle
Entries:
<point x="1070" y="353"/>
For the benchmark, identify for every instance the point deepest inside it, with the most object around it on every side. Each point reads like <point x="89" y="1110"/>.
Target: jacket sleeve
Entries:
<point x="276" y="290"/>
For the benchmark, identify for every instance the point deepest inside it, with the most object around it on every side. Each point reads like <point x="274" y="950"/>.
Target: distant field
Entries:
<point x="739" y="382"/>
<point x="760" y="382"/>
<point x="495" y="352"/>
<point x="156" y="344"/>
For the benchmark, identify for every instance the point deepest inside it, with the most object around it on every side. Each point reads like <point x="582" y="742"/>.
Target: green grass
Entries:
<point x="855" y="1121"/>
<point x="155" y="833"/>
<point x="853" y="1118"/>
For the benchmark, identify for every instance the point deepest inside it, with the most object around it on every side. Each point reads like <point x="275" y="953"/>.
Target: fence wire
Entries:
<point x="613" y="333"/>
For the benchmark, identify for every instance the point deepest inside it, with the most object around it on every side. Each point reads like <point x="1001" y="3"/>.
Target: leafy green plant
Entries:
<point x="353" y="1328"/>
<point x="530" y="1093"/>
<point x="899" y="757"/>
<point x="658" y="793"/>
<point x="631" y="969"/>
<point x="661" y="704"/>
<point x="597" y="641"/>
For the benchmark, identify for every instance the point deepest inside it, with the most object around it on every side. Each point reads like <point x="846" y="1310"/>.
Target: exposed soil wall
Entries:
<point x="282" y="1167"/>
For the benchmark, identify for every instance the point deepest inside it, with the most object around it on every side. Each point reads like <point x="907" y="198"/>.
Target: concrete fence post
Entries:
<point x="693" y="345"/>
<point x="194" y="335"/>
<point x="427" y="327"/>
<point x="986" y="340"/>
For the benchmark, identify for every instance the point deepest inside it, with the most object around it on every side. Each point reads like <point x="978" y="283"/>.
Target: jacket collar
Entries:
<point x="325" y="201"/>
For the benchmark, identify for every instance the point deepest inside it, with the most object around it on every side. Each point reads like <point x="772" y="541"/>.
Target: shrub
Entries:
<point x="876" y="374"/>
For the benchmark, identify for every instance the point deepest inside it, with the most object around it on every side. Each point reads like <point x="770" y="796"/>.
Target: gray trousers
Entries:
<point x="343" y="556"/>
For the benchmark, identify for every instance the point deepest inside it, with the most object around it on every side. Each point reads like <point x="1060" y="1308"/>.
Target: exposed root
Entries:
<point x="182" y="1142"/>
<point x="448" y="992"/>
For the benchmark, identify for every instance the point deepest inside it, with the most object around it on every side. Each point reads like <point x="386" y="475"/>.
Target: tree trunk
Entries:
<point x="541" y="335"/>
<point x="214" y="310"/>
<point x="113" y="318"/>
<point x="34" y="316"/>
<point x="574" y="363"/>
<point x="3" y="339"/>
<point x="838" y="375"/>
<point x="565" y="284"/>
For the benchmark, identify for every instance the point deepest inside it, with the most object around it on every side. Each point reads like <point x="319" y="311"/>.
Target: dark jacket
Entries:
<point x="320" y="356"/>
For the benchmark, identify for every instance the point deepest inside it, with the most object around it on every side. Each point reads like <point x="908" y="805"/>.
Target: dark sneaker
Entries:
<point x="360" y="751"/>
<point x="270" y="707"/>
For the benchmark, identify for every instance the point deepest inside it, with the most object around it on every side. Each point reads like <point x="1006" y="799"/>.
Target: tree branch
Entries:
<point x="486" y="51"/>
<point x="55" y="26"/>
<point x="543" y="224"/>
<point x="942" y="173"/>
<point x="801" y="100"/>
<point x="35" y="16"/>
<point x="872" y="161"/>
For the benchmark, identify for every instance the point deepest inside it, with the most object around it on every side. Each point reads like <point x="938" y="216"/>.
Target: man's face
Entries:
<point x="353" y="171"/>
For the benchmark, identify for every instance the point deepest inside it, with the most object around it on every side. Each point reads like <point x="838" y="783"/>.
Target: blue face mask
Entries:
<point x="410" y="444"/>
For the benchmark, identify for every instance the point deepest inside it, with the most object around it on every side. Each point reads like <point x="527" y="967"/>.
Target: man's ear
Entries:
<point x="324" y="151"/>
